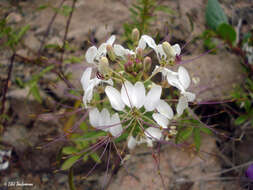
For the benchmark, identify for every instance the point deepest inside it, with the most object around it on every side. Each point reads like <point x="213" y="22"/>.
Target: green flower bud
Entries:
<point x="147" y="64"/>
<point x="139" y="53"/>
<point x="129" y="66"/>
<point x="103" y="66"/>
<point x="135" y="35"/>
<point x="167" y="48"/>
<point x="138" y="65"/>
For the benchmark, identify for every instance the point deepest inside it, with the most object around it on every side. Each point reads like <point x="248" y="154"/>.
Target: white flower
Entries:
<point x="152" y="134"/>
<point x="145" y="39"/>
<point x="180" y="80"/>
<point x="4" y="165"/>
<point x="132" y="142"/>
<point x="93" y="54"/>
<point x="165" y="114"/>
<point x="120" y="51"/>
<point x="88" y="84"/>
<point x="133" y="96"/>
<point x="105" y="122"/>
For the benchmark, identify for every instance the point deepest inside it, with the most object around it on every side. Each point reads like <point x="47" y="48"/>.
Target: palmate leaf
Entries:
<point x="215" y="14"/>
<point x="227" y="32"/>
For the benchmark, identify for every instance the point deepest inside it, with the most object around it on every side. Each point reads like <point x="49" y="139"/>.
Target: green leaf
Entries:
<point x="165" y="9"/>
<point x="42" y="7"/>
<point x="34" y="90"/>
<point x="241" y="119"/>
<point x="121" y="137"/>
<point x="197" y="138"/>
<point x="84" y="126"/>
<point x="71" y="179"/>
<point x="184" y="134"/>
<point x="95" y="157"/>
<point x="21" y="33"/>
<point x="215" y="14"/>
<point x="227" y="32"/>
<point x="66" y="10"/>
<point x="73" y="59"/>
<point x="85" y="158"/>
<point x="69" y="150"/>
<point x="206" y="130"/>
<point x="19" y="82"/>
<point x="69" y="162"/>
<point x="92" y="134"/>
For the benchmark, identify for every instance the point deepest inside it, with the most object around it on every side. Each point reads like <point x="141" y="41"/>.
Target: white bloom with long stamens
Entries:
<point x="181" y="80"/>
<point x="89" y="84"/>
<point x="133" y="96"/>
<point x="94" y="54"/>
<point x="102" y="120"/>
<point x="165" y="114"/>
<point x="152" y="134"/>
<point x="120" y="51"/>
<point x="174" y="50"/>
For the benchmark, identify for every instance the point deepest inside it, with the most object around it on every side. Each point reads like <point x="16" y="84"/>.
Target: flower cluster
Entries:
<point x="131" y="99"/>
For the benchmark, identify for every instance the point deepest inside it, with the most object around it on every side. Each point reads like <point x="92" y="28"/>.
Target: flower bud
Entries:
<point x="167" y="48"/>
<point x="129" y="66"/>
<point x="138" y="65"/>
<point x="103" y="66"/>
<point x="139" y="53"/>
<point x="135" y="35"/>
<point x="147" y="64"/>
<point x="110" y="52"/>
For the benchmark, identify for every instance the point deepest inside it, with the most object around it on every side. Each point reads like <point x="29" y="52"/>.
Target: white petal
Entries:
<point x="115" y="98"/>
<point x="177" y="49"/>
<point x="127" y="90"/>
<point x="190" y="96"/>
<point x="104" y="119"/>
<point x="160" y="52"/>
<point x="91" y="53"/>
<point x="111" y="40"/>
<point x="117" y="129"/>
<point x="87" y="96"/>
<point x="174" y="81"/>
<point x="119" y="50"/>
<point x="165" y="109"/>
<point x="85" y="80"/>
<point x="182" y="104"/>
<point x="153" y="97"/>
<point x="151" y="43"/>
<point x="161" y="120"/>
<point x="93" y="117"/>
<point x="166" y="72"/>
<point x="4" y="166"/>
<point x="101" y="51"/>
<point x="141" y="44"/>
<point x="110" y="82"/>
<point x="138" y="96"/>
<point x="153" y="133"/>
<point x="184" y="77"/>
<point x="131" y="143"/>
<point x="149" y="142"/>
